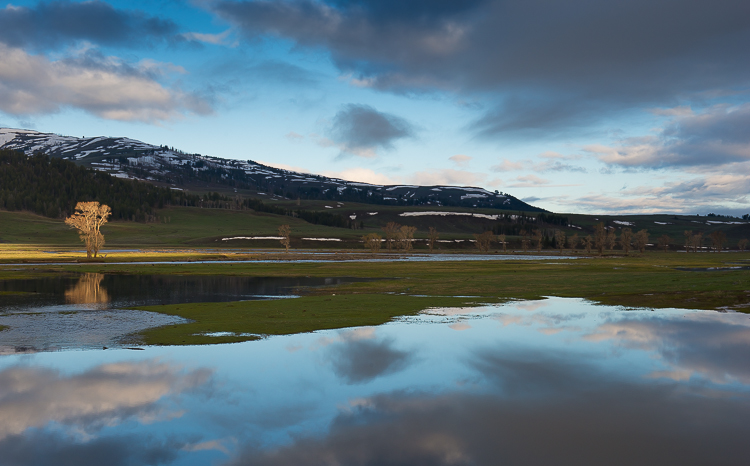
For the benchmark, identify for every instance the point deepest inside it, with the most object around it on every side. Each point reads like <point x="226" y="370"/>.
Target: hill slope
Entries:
<point x="128" y="158"/>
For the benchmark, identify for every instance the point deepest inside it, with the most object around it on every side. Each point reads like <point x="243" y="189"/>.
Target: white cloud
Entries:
<point x="460" y="160"/>
<point x="507" y="166"/>
<point x="108" y="88"/>
<point x="362" y="175"/>
<point x="447" y="177"/>
<point x="213" y="39"/>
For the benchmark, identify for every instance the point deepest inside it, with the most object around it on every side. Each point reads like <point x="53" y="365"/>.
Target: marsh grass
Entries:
<point x="650" y="280"/>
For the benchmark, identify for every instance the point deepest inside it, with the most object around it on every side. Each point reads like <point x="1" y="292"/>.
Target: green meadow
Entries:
<point x="650" y="280"/>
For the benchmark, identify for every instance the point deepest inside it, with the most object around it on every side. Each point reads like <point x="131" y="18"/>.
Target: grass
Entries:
<point x="650" y="280"/>
<point x="288" y="316"/>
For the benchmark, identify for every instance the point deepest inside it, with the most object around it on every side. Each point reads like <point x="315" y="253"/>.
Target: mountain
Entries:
<point x="164" y="166"/>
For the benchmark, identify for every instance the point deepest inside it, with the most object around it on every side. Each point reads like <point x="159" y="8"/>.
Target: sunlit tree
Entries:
<point x="484" y="241"/>
<point x="88" y="220"/>
<point x="285" y="231"/>
<point x="390" y="230"/>
<point x="372" y="241"/>
<point x="432" y="238"/>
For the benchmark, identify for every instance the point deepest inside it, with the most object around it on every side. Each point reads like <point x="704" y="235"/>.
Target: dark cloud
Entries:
<point x="362" y="360"/>
<point x="40" y="448"/>
<point x="362" y="128"/>
<point x="583" y="57"/>
<point x="544" y="411"/>
<point x="715" y="136"/>
<point x="56" y="24"/>
<point x="714" y="346"/>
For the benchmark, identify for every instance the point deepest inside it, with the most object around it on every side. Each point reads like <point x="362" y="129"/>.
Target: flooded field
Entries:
<point x="555" y="381"/>
<point x="91" y="310"/>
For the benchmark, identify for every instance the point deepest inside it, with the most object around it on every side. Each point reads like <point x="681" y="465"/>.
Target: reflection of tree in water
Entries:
<point x="88" y="290"/>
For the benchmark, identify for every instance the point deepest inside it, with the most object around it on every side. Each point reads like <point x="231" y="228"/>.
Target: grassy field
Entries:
<point x="191" y="227"/>
<point x="650" y="280"/>
<point x="191" y="235"/>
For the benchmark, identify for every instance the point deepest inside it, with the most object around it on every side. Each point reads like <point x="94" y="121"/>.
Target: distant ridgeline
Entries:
<point x="52" y="187"/>
<point x="129" y="158"/>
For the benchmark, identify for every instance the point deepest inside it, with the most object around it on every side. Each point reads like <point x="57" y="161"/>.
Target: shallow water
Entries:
<point x="91" y="310"/>
<point x="558" y="381"/>
<point x="327" y="257"/>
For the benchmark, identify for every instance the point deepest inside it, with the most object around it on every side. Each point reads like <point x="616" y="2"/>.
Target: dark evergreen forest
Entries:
<point x="52" y="187"/>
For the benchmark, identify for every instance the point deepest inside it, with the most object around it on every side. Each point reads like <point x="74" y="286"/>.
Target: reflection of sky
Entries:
<point x="527" y="383"/>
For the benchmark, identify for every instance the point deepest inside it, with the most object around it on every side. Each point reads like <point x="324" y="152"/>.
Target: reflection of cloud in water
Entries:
<point x="553" y="323"/>
<point x="712" y="344"/>
<point x="88" y="290"/>
<point x="104" y="395"/>
<point x="460" y="326"/>
<point x="531" y="306"/>
<point x="360" y="357"/>
<point x="543" y="411"/>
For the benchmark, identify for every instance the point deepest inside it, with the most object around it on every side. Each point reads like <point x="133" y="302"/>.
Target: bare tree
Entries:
<point x="432" y="238"/>
<point x="404" y="237"/>
<point x="697" y="241"/>
<point x="664" y="241"/>
<point x="372" y="241"/>
<point x="285" y="231"/>
<point x="501" y="240"/>
<point x="588" y="243"/>
<point x="718" y="238"/>
<point x="538" y="238"/>
<point x="640" y="240"/>
<point x="390" y="231"/>
<point x="688" y="240"/>
<point x="560" y="240"/>
<point x="600" y="237"/>
<point x="742" y="244"/>
<point x="525" y="241"/>
<point x="626" y="237"/>
<point x="88" y="220"/>
<point x="611" y="240"/>
<point x="484" y="241"/>
<point x="573" y="242"/>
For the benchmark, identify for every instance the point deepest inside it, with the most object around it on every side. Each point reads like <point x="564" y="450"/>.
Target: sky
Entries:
<point x="584" y="106"/>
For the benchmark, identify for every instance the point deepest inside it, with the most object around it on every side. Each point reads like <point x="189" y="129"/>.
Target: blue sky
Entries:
<point x="582" y="106"/>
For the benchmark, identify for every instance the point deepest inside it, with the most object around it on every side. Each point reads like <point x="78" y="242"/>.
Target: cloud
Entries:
<point x="104" y="395"/>
<point x="460" y="160"/>
<point x="537" y="409"/>
<point x="529" y="181"/>
<point x="59" y="23"/>
<point x="103" y="86"/>
<point x="361" y="130"/>
<point x="546" y="66"/>
<point x="363" y="175"/>
<point x="447" y="176"/>
<point x="507" y="166"/>
<point x="550" y="164"/>
<point x="58" y="449"/>
<point x="715" y="136"/>
<point x="213" y="39"/>
<point x="294" y="137"/>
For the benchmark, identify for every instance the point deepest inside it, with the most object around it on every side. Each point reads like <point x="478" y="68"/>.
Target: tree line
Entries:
<point x="53" y="187"/>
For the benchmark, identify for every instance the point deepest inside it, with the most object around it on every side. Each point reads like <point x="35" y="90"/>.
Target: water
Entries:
<point x="91" y="310"/>
<point x="551" y="382"/>
<point x="323" y="257"/>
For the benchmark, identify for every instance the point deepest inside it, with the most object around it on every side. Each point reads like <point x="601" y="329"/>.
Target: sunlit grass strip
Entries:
<point x="289" y="316"/>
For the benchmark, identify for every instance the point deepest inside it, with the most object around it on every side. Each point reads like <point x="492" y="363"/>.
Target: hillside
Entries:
<point x="161" y="165"/>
